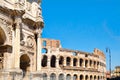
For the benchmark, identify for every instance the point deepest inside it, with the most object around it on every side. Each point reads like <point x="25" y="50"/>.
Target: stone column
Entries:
<point x="16" y="44"/>
<point x="39" y="48"/>
<point x="13" y="46"/>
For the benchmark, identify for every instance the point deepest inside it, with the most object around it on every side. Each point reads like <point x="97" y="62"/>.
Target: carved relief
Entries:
<point x="7" y="28"/>
<point x="30" y="42"/>
<point x="9" y="32"/>
<point x="28" y="6"/>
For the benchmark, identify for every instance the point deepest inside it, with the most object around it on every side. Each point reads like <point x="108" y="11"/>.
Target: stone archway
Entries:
<point x="2" y="36"/>
<point x="2" y="41"/>
<point x="24" y="63"/>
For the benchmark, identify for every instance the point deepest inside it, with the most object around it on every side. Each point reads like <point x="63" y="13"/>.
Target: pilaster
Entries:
<point x="78" y="63"/>
<point x="57" y="62"/>
<point x="64" y="63"/>
<point x="48" y="63"/>
<point x="71" y="63"/>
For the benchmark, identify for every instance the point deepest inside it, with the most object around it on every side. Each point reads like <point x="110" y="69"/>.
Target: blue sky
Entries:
<point x="84" y="25"/>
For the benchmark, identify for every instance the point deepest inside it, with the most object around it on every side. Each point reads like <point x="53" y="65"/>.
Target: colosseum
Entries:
<point x="24" y="55"/>
<point x="64" y="64"/>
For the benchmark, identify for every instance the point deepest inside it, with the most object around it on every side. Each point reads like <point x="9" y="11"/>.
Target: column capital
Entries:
<point x="38" y="35"/>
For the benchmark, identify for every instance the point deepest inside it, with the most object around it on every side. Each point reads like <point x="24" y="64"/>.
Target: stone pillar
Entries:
<point x="48" y="77"/>
<point x="71" y="77"/>
<point x="13" y="46"/>
<point x="83" y="63"/>
<point x="88" y="65"/>
<point x="48" y="63"/>
<point x="7" y="59"/>
<point x="78" y="63"/>
<point x="17" y="46"/>
<point x="57" y="62"/>
<point x="39" y="48"/>
<point x="92" y="64"/>
<point x="64" y="63"/>
<point x="64" y="77"/>
<point x="96" y="65"/>
<point x="71" y="63"/>
<point x="57" y="77"/>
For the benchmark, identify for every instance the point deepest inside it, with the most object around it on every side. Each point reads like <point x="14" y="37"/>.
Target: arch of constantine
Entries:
<point x="24" y="55"/>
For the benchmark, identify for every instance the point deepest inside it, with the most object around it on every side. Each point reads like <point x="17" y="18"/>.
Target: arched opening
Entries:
<point x="98" y="78"/>
<point x="68" y="60"/>
<point x="75" y="77"/>
<point x="95" y="78"/>
<point x="44" y="76"/>
<point x="2" y="41"/>
<point x="90" y="63"/>
<point x="2" y="36"/>
<point x="68" y="77"/>
<point x="44" y="51"/>
<point x="86" y="77"/>
<point x="81" y="77"/>
<point x="81" y="62"/>
<point x="61" y="77"/>
<point x="91" y="78"/>
<point x="53" y="61"/>
<point x="44" y="43"/>
<point x="86" y="63"/>
<point x="74" y="62"/>
<point x="24" y="63"/>
<point x="101" y="77"/>
<point x="61" y="60"/>
<point x="97" y="64"/>
<point x="44" y="61"/>
<point x="74" y="53"/>
<point x="94" y="64"/>
<point x="52" y="76"/>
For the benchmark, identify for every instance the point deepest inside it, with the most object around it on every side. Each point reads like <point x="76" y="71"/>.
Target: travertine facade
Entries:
<point x="21" y="44"/>
<point x="116" y="72"/>
<point x="64" y="64"/>
<point x="21" y="25"/>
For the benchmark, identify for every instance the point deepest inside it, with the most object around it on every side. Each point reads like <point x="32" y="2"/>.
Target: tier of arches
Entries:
<point x="61" y="76"/>
<point x="53" y="61"/>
